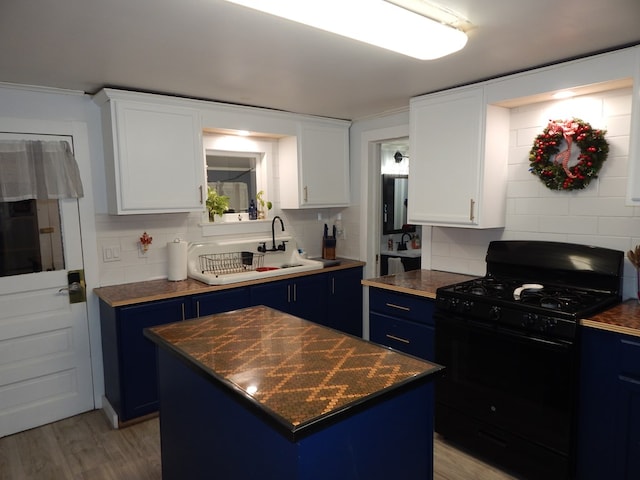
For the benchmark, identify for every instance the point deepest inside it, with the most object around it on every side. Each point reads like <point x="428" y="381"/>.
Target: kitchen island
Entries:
<point x="256" y="393"/>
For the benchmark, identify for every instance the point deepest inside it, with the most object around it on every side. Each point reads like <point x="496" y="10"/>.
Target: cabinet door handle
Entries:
<point x="288" y="293"/>
<point x="472" y="204"/>
<point x="183" y="311"/>
<point x="333" y="285"/>
<point x="197" y="308"/>
<point x="393" y="337"/>
<point x="399" y="307"/>
<point x="201" y="195"/>
<point x="295" y="293"/>
<point x="306" y="193"/>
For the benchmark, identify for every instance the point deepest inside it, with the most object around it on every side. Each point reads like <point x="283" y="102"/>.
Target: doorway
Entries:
<point x="45" y="352"/>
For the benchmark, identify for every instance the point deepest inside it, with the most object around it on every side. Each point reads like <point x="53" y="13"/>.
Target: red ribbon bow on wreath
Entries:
<point x="568" y="130"/>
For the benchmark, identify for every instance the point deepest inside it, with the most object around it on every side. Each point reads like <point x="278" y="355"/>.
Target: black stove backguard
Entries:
<point x="509" y="389"/>
<point x="557" y="263"/>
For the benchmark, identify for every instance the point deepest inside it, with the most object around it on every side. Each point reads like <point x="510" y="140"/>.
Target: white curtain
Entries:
<point x="42" y="170"/>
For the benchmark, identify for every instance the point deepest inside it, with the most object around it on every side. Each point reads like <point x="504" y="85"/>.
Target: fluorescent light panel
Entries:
<point x="376" y="22"/>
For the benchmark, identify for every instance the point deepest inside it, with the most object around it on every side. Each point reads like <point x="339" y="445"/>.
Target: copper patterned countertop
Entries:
<point x="298" y="372"/>
<point x="623" y="318"/>
<point x="422" y="283"/>
<point x="153" y="290"/>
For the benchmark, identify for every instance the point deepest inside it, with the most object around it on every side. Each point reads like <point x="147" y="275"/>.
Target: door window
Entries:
<point x="30" y="237"/>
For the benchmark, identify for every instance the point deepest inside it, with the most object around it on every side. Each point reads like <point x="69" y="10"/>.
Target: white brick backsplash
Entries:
<point x="523" y="223"/>
<point x="557" y="205"/>
<point x="600" y="206"/>
<point x="612" y="187"/>
<point x="569" y="224"/>
<point x="619" y="226"/>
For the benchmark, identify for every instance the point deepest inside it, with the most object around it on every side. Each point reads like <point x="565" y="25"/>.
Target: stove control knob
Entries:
<point x="467" y="305"/>
<point x="495" y="313"/>
<point x="447" y="303"/>
<point x="529" y="320"/>
<point x="548" y="324"/>
<point x="453" y="303"/>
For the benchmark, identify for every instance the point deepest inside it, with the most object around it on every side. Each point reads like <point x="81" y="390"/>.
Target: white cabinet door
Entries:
<point x="155" y="161"/>
<point x="452" y="179"/>
<point x="314" y="166"/>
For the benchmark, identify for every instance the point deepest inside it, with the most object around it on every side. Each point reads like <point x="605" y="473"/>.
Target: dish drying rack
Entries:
<point x="232" y="262"/>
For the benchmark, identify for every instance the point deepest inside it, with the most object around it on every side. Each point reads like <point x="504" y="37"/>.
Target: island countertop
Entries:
<point x="297" y="372"/>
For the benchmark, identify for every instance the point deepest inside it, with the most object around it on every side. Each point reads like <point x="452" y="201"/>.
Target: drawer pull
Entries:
<point x="399" y="307"/>
<point x="393" y="337"/>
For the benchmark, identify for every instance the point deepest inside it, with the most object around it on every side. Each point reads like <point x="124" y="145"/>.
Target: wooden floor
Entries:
<point x="86" y="447"/>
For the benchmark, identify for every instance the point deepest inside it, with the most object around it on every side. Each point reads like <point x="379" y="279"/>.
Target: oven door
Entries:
<point x="511" y="392"/>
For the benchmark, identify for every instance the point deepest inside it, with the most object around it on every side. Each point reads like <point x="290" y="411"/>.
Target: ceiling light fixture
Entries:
<point x="376" y="22"/>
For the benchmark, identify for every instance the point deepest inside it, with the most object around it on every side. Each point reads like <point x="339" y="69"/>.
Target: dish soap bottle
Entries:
<point x="253" y="212"/>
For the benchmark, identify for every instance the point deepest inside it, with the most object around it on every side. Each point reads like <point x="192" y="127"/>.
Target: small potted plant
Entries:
<point x="216" y="204"/>
<point x="262" y="203"/>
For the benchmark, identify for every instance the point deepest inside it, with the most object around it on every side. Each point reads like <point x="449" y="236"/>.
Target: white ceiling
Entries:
<point x="215" y="50"/>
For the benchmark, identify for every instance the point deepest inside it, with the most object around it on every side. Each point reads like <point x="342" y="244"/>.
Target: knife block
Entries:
<point x="329" y="248"/>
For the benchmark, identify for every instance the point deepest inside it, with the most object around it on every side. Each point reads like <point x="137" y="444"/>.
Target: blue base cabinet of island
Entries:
<point x="209" y="432"/>
<point x="402" y="321"/>
<point x="129" y="358"/>
<point x="609" y="418"/>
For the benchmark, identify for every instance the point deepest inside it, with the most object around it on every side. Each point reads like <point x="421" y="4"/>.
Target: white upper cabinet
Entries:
<point x="153" y="154"/>
<point x="314" y="165"/>
<point x="458" y="167"/>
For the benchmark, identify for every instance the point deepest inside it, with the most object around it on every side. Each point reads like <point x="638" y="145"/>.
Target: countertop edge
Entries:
<point x="395" y="288"/>
<point x="190" y="286"/>
<point x="634" y="332"/>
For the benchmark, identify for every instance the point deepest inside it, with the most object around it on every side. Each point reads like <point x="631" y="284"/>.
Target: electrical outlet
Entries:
<point x="111" y="254"/>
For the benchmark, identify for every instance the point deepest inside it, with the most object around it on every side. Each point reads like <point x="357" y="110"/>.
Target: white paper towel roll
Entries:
<point x="177" y="260"/>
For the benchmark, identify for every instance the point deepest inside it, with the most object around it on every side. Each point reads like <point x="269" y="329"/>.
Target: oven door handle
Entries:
<point x="451" y="324"/>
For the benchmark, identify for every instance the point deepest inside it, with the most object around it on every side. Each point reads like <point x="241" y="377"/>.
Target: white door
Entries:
<point x="45" y="362"/>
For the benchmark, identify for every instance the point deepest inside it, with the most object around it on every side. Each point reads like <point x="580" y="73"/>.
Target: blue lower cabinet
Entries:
<point x="609" y="409"/>
<point x="403" y="322"/>
<point x="218" y="302"/>
<point x="344" y="301"/>
<point x="304" y="297"/>
<point x="129" y="358"/>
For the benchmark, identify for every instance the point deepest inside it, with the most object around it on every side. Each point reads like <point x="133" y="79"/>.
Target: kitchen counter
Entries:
<point x="408" y="253"/>
<point x="153" y="290"/>
<point x="623" y="318"/>
<point x="257" y="393"/>
<point x="422" y="283"/>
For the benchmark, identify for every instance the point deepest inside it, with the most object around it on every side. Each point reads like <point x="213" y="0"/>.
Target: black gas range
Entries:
<point x="509" y="341"/>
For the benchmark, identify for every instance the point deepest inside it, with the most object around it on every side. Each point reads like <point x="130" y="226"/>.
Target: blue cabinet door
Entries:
<point x="609" y="409"/>
<point x="304" y="297"/>
<point x="137" y="363"/>
<point x="402" y="321"/>
<point x="218" y="302"/>
<point x="344" y="300"/>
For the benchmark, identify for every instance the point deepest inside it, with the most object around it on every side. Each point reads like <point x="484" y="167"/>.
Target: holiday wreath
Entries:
<point x="553" y="167"/>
